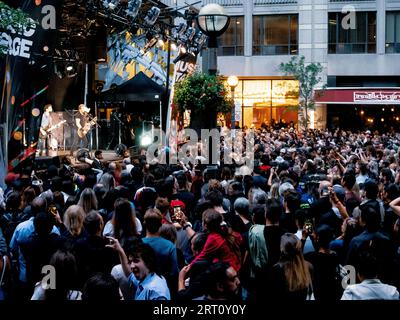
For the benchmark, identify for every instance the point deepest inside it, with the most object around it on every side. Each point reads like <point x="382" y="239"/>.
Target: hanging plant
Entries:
<point x="201" y="93"/>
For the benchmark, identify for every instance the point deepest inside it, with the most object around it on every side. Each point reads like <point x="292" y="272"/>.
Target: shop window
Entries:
<point x="231" y="43"/>
<point x="393" y="32"/>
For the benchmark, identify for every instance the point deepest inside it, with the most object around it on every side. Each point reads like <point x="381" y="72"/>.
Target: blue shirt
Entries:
<point x="22" y="235"/>
<point x="153" y="287"/>
<point x="166" y="257"/>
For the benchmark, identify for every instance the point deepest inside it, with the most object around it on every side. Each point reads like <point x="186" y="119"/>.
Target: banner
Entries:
<point x="25" y="68"/>
<point x="183" y="68"/>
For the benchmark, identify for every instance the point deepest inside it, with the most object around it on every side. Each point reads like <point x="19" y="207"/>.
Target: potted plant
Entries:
<point x="204" y="96"/>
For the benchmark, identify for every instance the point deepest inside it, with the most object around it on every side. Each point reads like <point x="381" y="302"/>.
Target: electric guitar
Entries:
<point x="83" y="131"/>
<point x="45" y="132"/>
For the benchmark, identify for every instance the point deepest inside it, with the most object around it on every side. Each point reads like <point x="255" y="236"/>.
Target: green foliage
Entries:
<point x="308" y="75"/>
<point x="200" y="92"/>
<point x="15" y="18"/>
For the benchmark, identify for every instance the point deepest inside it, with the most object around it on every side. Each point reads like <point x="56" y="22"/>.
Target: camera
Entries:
<point x="177" y="217"/>
<point x="309" y="227"/>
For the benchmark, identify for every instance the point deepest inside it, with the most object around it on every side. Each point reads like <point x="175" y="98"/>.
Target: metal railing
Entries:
<point x="225" y="3"/>
<point x="351" y="0"/>
<point x="269" y="2"/>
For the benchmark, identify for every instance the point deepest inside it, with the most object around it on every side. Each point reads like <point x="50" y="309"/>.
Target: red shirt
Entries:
<point x="217" y="249"/>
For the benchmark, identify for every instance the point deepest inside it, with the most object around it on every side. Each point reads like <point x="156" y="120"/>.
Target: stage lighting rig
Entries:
<point x="152" y="16"/>
<point x="133" y="8"/>
<point x="110" y="4"/>
<point x="180" y="30"/>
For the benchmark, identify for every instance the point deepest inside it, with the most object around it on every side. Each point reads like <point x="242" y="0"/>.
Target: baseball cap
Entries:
<point x="11" y="177"/>
<point x="340" y="191"/>
<point x="176" y="203"/>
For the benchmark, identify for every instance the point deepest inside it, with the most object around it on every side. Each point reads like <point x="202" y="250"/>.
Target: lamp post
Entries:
<point x="233" y="82"/>
<point x="213" y="22"/>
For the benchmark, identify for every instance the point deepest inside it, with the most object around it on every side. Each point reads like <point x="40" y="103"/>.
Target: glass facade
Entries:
<point x="344" y="39"/>
<point x="267" y="101"/>
<point x="393" y="32"/>
<point x="275" y="35"/>
<point x="231" y="43"/>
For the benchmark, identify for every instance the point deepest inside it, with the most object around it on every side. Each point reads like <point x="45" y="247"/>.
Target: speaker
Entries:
<point x="43" y="163"/>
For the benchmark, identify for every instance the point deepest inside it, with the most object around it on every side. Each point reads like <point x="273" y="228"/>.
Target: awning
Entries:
<point x="139" y="88"/>
<point x="363" y="96"/>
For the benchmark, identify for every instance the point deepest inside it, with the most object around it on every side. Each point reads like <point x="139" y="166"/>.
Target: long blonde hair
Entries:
<point x="73" y="219"/>
<point x="296" y="269"/>
<point x="88" y="200"/>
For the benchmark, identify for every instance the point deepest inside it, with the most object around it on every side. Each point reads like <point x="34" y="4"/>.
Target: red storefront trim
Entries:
<point x="359" y="96"/>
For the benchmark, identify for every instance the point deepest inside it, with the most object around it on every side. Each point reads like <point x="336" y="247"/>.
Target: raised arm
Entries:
<point x="395" y="205"/>
<point x="114" y="244"/>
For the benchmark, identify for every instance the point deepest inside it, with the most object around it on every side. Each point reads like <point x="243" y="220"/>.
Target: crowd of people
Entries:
<point x="317" y="205"/>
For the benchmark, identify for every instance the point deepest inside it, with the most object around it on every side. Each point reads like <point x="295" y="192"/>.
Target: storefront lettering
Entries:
<point x="377" y="96"/>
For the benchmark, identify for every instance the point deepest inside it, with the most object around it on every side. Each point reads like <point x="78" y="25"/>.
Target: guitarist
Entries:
<point x="81" y="122"/>
<point x="44" y="136"/>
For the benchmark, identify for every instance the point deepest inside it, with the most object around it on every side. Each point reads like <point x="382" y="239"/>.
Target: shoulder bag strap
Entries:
<point x="4" y="270"/>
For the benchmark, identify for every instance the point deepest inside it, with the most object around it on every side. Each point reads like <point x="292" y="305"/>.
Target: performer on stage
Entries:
<point x="83" y="126"/>
<point x="44" y="134"/>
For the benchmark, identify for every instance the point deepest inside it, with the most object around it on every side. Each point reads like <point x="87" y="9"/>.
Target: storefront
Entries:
<point x="360" y="108"/>
<point x="266" y="101"/>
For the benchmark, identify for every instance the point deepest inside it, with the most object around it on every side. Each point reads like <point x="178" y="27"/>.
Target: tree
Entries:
<point x="205" y="96"/>
<point x="308" y="75"/>
<point x="14" y="18"/>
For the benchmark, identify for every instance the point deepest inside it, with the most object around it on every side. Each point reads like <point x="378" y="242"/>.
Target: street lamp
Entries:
<point x="213" y="22"/>
<point x="233" y="82"/>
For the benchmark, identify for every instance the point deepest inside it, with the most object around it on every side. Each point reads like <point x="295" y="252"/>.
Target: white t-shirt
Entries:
<point x="40" y="294"/>
<point x="109" y="228"/>
<point x="128" y="291"/>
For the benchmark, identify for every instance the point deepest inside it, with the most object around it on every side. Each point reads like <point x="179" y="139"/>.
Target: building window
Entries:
<point x="393" y="32"/>
<point x="361" y="39"/>
<point x="275" y="35"/>
<point x="231" y="43"/>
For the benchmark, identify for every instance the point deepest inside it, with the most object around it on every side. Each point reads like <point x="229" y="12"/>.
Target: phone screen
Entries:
<point x="177" y="210"/>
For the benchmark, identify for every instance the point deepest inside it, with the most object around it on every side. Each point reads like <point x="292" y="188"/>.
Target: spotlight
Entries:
<point x="152" y="42"/>
<point x="133" y="8"/>
<point x="161" y="43"/>
<point x="200" y="40"/>
<point x="152" y="16"/>
<point x="145" y="140"/>
<point x="180" y="30"/>
<point x="110" y="4"/>
<point x="69" y="68"/>
<point x="392" y="109"/>
<point x="190" y="33"/>
<point x="45" y="48"/>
